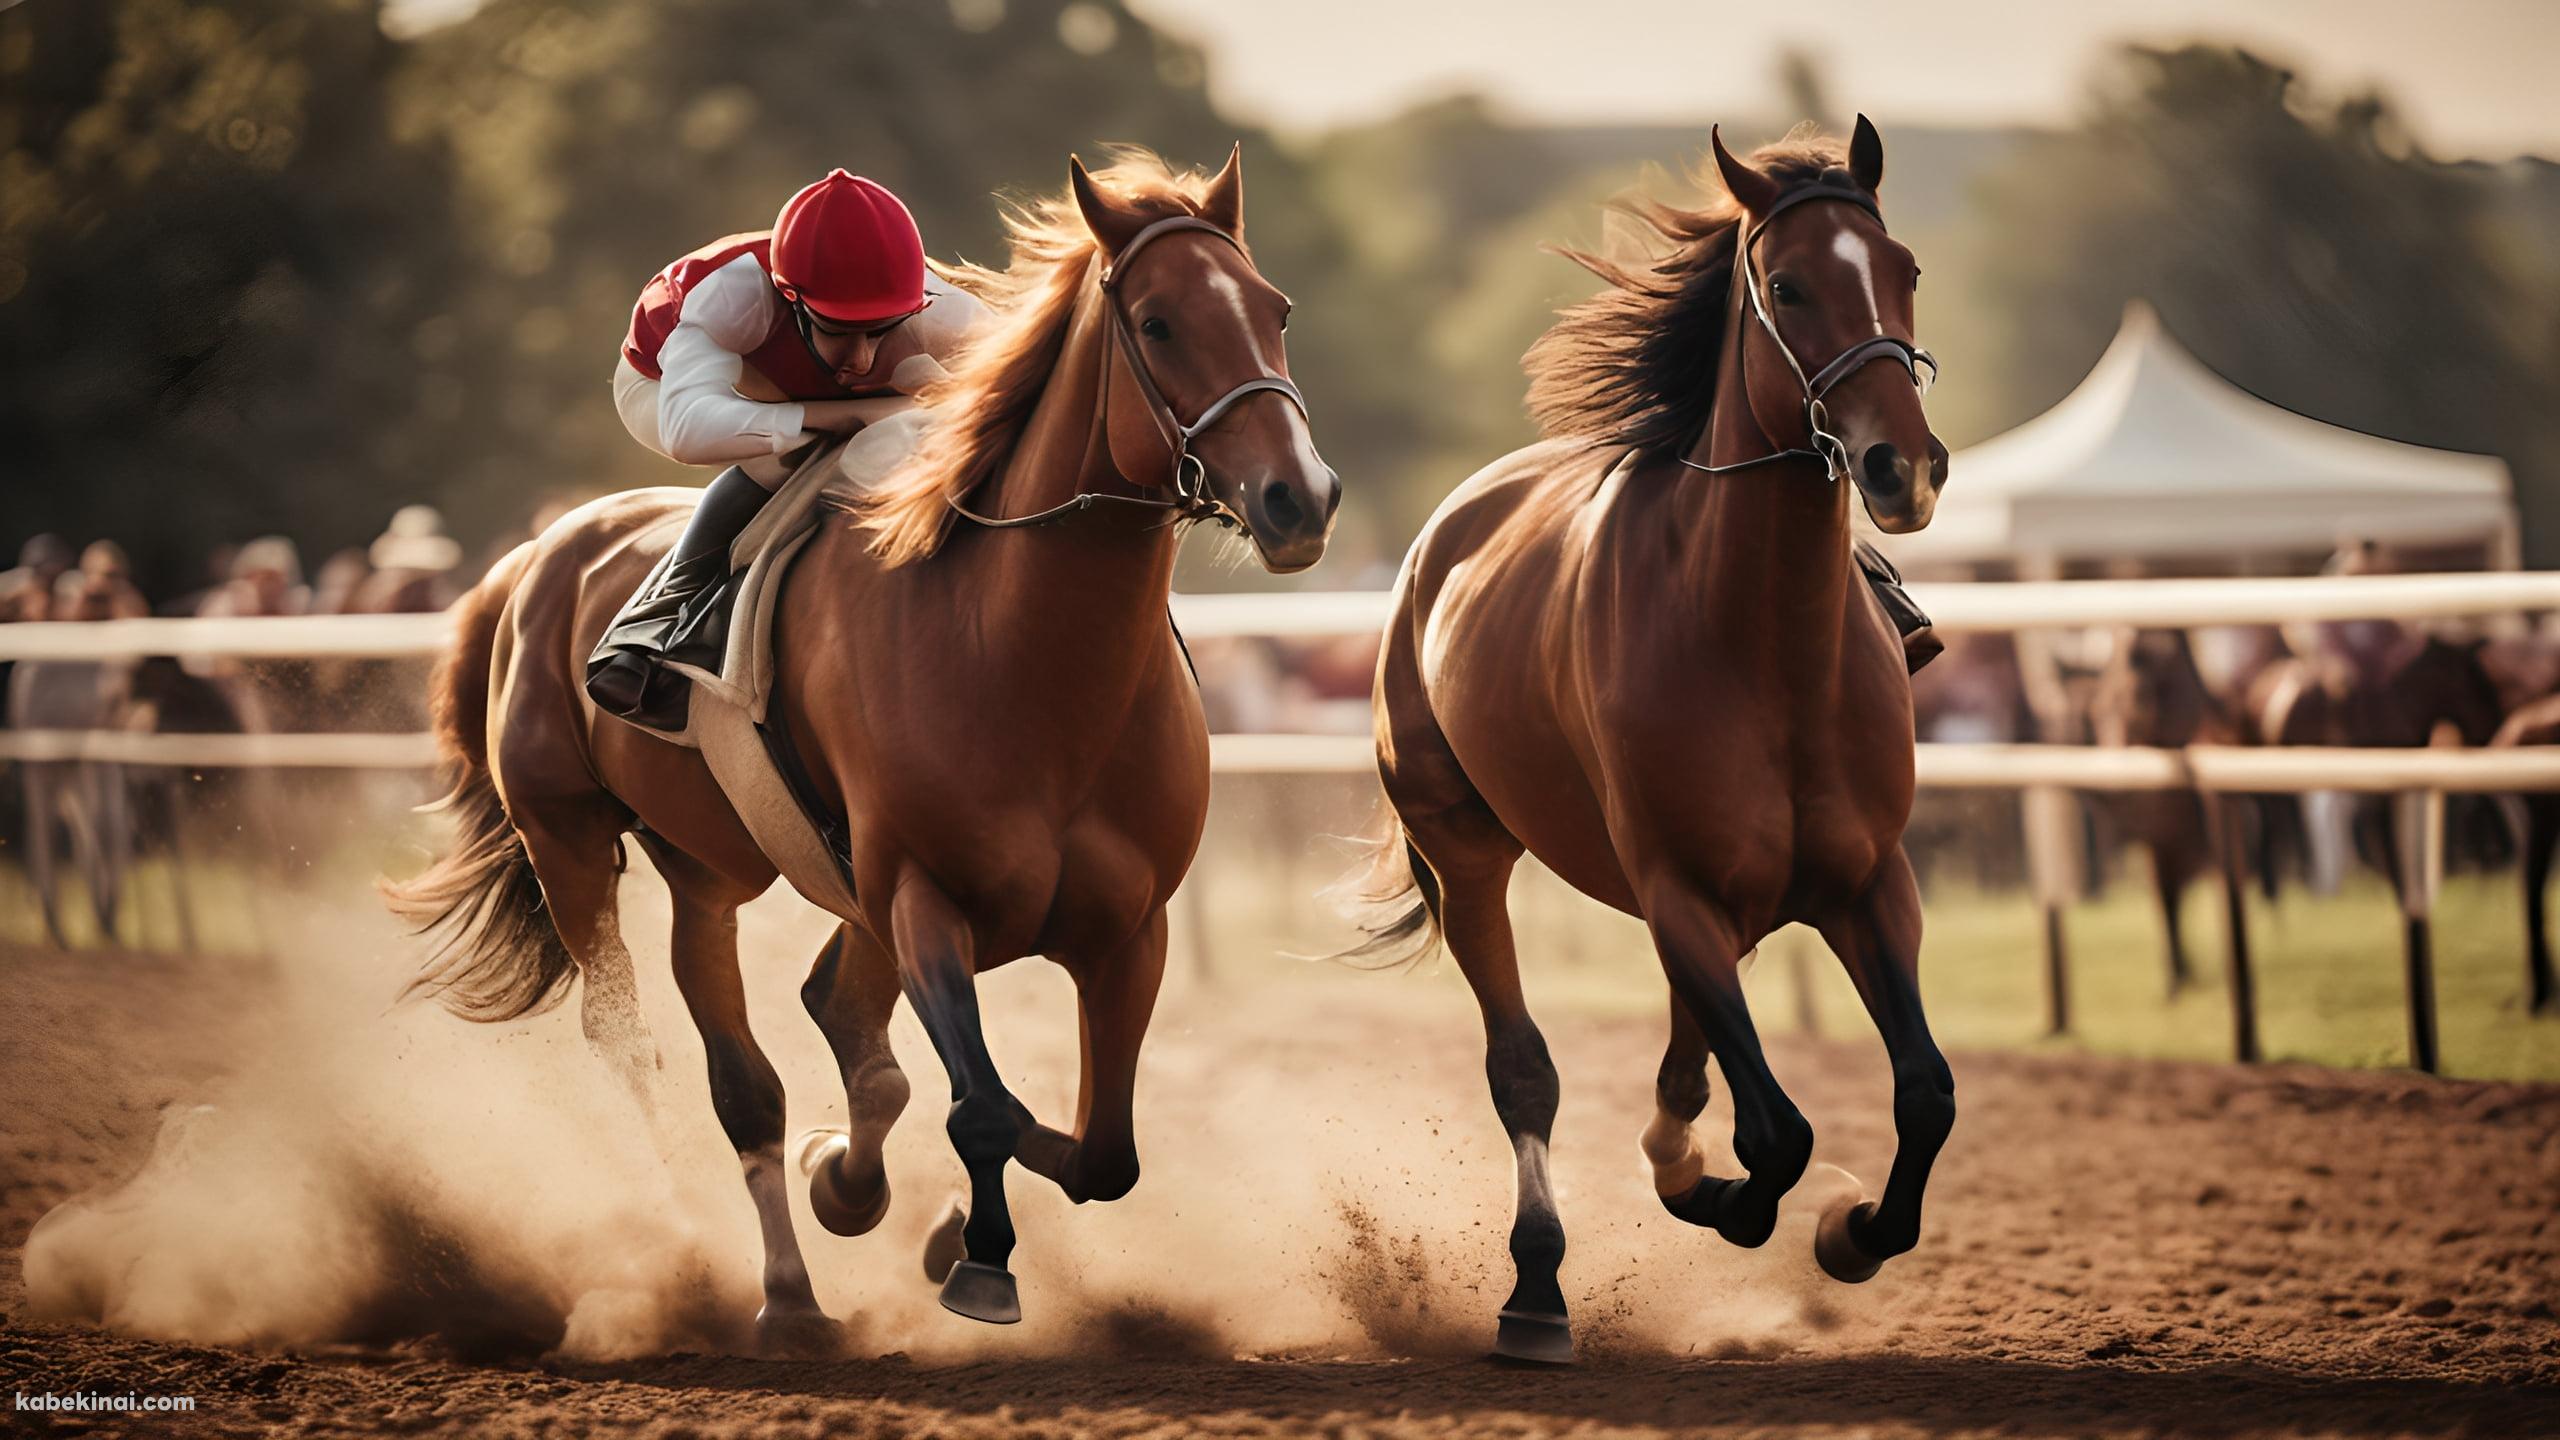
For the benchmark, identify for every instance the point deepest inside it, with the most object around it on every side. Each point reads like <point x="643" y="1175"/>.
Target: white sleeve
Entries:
<point x="702" y="419"/>
<point x="953" y="317"/>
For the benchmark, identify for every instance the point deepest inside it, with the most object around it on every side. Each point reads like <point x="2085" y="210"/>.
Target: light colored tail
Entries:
<point x="497" y="955"/>
<point x="1391" y="895"/>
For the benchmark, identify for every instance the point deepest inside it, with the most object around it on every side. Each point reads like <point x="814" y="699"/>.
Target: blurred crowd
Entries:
<point x="411" y="567"/>
<point x="1249" y="684"/>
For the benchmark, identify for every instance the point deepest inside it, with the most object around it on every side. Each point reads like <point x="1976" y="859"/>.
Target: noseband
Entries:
<point x="1826" y="447"/>
<point x="1189" y="479"/>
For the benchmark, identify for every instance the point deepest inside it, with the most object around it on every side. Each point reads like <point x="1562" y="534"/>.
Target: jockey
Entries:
<point x="819" y="317"/>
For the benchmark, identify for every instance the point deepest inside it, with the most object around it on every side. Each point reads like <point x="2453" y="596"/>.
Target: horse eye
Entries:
<point x="1155" y="329"/>
<point x="1782" y="293"/>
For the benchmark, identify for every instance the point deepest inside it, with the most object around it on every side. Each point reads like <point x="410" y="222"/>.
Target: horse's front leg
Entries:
<point x="1702" y="953"/>
<point x="937" y="964"/>
<point x="1117" y="993"/>
<point x="851" y="992"/>
<point x="1878" y="939"/>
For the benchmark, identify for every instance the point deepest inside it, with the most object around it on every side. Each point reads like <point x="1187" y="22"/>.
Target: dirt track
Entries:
<point x="393" y="1222"/>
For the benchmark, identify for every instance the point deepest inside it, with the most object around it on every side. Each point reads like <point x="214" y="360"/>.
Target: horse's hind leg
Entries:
<point x="1879" y="942"/>
<point x="1462" y="857"/>
<point x="851" y="992"/>
<point x="1475" y="919"/>
<point x="746" y="1093"/>
<point x="1679" y="1097"/>
<point x="574" y="844"/>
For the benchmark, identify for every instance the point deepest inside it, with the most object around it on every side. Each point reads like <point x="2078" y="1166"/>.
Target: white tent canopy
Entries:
<point x="2154" y="455"/>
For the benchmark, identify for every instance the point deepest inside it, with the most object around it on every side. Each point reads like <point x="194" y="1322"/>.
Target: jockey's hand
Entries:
<point x="916" y="372"/>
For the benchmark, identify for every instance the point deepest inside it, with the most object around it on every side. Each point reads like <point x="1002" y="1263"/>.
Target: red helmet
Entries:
<point x="846" y="248"/>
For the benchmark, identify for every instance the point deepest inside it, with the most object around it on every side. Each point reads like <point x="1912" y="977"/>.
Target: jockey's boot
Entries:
<point x="1920" y="642"/>
<point x="680" y="613"/>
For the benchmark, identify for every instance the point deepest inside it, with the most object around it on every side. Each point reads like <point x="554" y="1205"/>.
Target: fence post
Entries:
<point x="2053" y="874"/>
<point x="1800" y="963"/>
<point x="2230" y="839"/>
<point x="2418" y="832"/>
<point x="1191" y="900"/>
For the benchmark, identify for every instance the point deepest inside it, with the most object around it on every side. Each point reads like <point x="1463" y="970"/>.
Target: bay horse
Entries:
<point x="997" y="716"/>
<point x="1640" y="649"/>
<point x="2152" y="693"/>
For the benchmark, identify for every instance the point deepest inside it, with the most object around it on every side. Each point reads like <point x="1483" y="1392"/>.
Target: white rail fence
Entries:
<point x="2022" y="605"/>
<point x="2419" y="777"/>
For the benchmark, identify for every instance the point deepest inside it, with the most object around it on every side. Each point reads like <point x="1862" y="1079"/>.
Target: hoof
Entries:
<point x="981" y="1292"/>
<point x="1835" y="1251"/>
<point x="797" y="1335"/>
<point x="839" y="1207"/>
<point x="1533" y="1339"/>
<point x="946" y="1246"/>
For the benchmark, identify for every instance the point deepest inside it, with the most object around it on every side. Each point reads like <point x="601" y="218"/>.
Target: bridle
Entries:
<point x="1189" y="479"/>
<point x="1825" y="446"/>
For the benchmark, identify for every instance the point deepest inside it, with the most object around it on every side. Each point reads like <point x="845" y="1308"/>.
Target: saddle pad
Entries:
<point x="772" y="540"/>
<point x="727" y="710"/>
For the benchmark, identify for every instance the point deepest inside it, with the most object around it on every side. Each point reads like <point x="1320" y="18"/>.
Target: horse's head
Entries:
<point x="1198" y="391"/>
<point x="1837" y="293"/>
<point x="2436" y="683"/>
<point x="2152" y="692"/>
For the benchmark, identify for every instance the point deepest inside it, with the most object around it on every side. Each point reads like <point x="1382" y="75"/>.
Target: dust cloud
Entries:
<point x="1323" y="1177"/>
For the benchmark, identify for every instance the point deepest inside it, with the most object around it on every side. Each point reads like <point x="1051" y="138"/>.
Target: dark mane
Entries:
<point x="1636" y="363"/>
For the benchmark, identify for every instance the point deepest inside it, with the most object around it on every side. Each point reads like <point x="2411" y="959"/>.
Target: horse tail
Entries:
<point x="496" y="953"/>
<point x="1392" y="895"/>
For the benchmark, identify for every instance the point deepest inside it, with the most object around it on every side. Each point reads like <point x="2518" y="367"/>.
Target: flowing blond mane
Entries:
<point x="998" y="376"/>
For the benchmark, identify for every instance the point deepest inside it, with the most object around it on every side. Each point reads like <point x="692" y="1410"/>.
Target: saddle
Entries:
<point x="754" y="765"/>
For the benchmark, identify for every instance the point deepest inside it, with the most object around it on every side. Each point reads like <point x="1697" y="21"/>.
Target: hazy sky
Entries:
<point x="2473" y="76"/>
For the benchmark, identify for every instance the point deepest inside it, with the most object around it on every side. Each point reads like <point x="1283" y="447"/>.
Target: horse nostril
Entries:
<point x="1885" y="467"/>
<point x="1332" y="493"/>
<point x="1281" y="506"/>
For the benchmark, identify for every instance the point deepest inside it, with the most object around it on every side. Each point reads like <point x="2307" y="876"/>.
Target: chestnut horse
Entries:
<point x="999" y="722"/>
<point x="1640" y="650"/>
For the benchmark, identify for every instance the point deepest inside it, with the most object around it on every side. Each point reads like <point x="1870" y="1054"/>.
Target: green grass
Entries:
<point x="2329" y="977"/>
<point x="221" y="896"/>
<point x="2329" y="970"/>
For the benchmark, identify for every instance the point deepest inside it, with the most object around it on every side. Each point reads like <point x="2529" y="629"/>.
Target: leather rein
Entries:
<point x="1189" y="480"/>
<point x="1825" y="446"/>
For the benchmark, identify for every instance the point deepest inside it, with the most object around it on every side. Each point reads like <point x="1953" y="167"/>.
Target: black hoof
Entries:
<point x="797" y="1335"/>
<point x="1717" y="1204"/>
<point x="1533" y="1339"/>
<point x="1836" y="1250"/>
<point x="947" y="1245"/>
<point x="981" y="1292"/>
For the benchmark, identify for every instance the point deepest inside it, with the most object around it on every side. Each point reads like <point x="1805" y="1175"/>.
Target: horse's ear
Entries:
<point x="1749" y="188"/>
<point x="1223" y="205"/>
<point x="1113" y="224"/>
<point x="1866" y="156"/>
